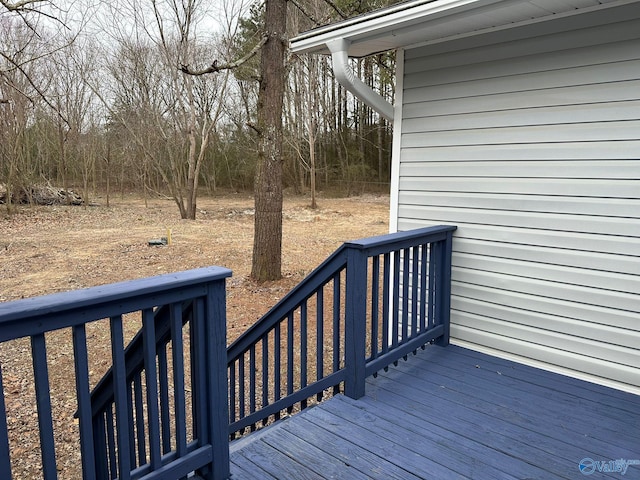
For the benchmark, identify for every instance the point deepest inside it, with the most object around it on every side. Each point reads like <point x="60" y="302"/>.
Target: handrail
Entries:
<point x="21" y="318"/>
<point x="124" y="442"/>
<point x="370" y="303"/>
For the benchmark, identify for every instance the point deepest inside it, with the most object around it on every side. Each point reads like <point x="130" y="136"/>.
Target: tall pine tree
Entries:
<point x="267" y="243"/>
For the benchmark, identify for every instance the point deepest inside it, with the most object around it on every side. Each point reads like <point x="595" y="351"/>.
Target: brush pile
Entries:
<point x="40" y="195"/>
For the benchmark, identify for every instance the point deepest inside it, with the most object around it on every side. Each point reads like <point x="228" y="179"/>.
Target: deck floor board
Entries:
<point x="527" y="379"/>
<point x="451" y="413"/>
<point x="569" y="404"/>
<point x="391" y="445"/>
<point x="502" y="432"/>
<point x="369" y="463"/>
<point x="543" y="416"/>
<point x="563" y="415"/>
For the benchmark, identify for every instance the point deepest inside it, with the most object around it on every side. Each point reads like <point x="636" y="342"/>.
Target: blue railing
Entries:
<point x="136" y="425"/>
<point x="369" y="304"/>
<point x="173" y="396"/>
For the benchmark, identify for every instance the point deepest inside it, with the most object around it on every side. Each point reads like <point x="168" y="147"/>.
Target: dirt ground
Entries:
<point x="52" y="249"/>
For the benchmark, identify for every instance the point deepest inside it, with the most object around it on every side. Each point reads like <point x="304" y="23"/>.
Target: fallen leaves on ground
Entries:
<point x="58" y="248"/>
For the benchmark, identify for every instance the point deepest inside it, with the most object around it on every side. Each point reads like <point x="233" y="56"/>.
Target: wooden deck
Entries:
<point x="453" y="413"/>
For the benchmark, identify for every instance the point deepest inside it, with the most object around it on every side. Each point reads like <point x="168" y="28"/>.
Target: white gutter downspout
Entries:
<point x="345" y="76"/>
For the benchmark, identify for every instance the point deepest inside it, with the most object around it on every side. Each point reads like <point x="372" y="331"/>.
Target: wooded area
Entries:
<point x="95" y="98"/>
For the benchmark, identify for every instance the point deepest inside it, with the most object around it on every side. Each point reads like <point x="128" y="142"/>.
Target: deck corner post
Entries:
<point x="5" y="455"/>
<point x="443" y="289"/>
<point x="355" y="322"/>
<point x="218" y="405"/>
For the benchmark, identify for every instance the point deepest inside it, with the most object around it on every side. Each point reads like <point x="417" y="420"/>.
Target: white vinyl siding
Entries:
<point x="532" y="148"/>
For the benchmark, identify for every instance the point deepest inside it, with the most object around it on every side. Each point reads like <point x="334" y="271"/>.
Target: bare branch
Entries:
<point x="38" y="90"/>
<point x="253" y="127"/>
<point x="337" y="9"/>
<point x="305" y="13"/>
<point x="27" y="6"/>
<point x="14" y="65"/>
<point x="214" y="67"/>
<point x="21" y="6"/>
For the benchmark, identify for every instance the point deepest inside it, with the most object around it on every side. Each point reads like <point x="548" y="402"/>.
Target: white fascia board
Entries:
<point x="433" y="21"/>
<point x="381" y="21"/>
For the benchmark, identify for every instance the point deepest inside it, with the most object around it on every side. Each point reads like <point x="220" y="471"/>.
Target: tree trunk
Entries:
<point x="313" y="129"/>
<point x="312" y="167"/>
<point x="267" y="242"/>
<point x="107" y="166"/>
<point x="63" y="155"/>
<point x="380" y="129"/>
<point x="192" y="179"/>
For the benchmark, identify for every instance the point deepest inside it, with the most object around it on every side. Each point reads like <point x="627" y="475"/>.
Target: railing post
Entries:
<point x="443" y="288"/>
<point x="218" y="405"/>
<point x="355" y="322"/>
<point x="5" y="455"/>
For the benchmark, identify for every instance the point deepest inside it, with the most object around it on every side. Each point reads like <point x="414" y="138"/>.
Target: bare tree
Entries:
<point x="74" y="104"/>
<point x="47" y="27"/>
<point x="33" y="90"/>
<point x="179" y="112"/>
<point x="304" y="117"/>
<point x="20" y="105"/>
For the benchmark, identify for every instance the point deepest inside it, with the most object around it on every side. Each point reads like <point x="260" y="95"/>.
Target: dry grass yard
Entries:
<point x="52" y="249"/>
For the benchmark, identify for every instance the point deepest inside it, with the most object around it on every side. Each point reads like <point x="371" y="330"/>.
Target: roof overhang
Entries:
<point x="420" y="22"/>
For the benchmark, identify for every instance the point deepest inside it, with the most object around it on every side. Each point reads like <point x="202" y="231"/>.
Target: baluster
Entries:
<point x="192" y="368"/>
<point x="423" y="287"/>
<point x="432" y="286"/>
<point x="101" y="452"/>
<point x="81" y="364"/>
<point x="232" y="392"/>
<point x="111" y="441"/>
<point x="43" y="401"/>
<point x="396" y="300"/>
<point x="303" y="349"/>
<point x="151" y="375"/>
<point x="177" y="358"/>
<point x="319" y="337"/>
<point x="139" y="421"/>
<point x="406" y="276"/>
<point x="252" y="382"/>
<point x="199" y="373"/>
<point x="130" y="422"/>
<point x="165" y="417"/>
<point x="5" y="458"/>
<point x="385" y="301"/>
<point x="337" y="294"/>
<point x="241" y="388"/>
<point x="375" y="303"/>
<point x="120" y="397"/>
<point x="277" y="352"/>
<point x="265" y="373"/>
<point x="290" y="365"/>
<point x="415" y="283"/>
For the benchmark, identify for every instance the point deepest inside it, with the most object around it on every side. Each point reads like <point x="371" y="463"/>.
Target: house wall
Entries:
<point x="531" y="146"/>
